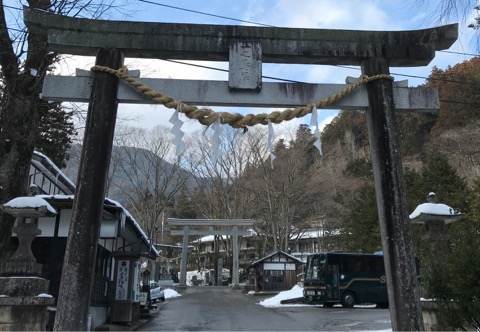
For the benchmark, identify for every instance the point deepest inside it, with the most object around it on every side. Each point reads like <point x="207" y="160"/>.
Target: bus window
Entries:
<point x="315" y="267"/>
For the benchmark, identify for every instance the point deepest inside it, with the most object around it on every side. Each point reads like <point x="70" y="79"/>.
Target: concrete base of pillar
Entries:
<point x="431" y="317"/>
<point x="24" y="313"/>
<point x="21" y="309"/>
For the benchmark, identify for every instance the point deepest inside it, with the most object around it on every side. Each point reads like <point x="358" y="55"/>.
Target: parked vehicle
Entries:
<point x="156" y="292"/>
<point x="349" y="279"/>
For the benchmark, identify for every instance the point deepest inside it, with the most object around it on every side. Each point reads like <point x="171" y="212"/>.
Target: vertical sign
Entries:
<point x="245" y="66"/>
<point x="121" y="293"/>
<point x="136" y="282"/>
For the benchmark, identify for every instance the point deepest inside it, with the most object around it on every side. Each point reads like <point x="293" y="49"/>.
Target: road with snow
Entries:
<point x="221" y="308"/>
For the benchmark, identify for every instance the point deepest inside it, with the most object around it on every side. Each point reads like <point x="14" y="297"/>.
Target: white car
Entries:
<point x="156" y="292"/>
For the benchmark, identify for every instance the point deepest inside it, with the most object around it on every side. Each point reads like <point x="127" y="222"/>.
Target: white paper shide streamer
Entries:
<point x="217" y="129"/>
<point x="177" y="132"/>
<point x="316" y="134"/>
<point x="270" y="139"/>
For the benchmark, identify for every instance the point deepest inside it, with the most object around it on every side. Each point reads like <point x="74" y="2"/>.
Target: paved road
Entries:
<point x="220" y="308"/>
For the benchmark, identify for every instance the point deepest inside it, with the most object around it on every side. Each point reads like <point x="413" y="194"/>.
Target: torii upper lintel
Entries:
<point x="211" y="42"/>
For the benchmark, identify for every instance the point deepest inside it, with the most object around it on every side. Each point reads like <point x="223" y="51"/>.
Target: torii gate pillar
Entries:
<point x="184" y="259"/>
<point x="403" y="295"/>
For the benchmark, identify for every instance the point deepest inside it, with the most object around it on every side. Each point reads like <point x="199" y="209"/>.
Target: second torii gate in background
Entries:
<point x="202" y="227"/>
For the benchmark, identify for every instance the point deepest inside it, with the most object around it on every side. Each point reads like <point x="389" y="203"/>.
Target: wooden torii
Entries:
<point x="202" y="227"/>
<point x="246" y="48"/>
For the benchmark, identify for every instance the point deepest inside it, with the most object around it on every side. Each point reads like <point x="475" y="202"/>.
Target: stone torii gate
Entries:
<point x="246" y="48"/>
<point x="201" y="227"/>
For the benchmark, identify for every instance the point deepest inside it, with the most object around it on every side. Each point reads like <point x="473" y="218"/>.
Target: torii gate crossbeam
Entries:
<point x="246" y="48"/>
<point x="189" y="227"/>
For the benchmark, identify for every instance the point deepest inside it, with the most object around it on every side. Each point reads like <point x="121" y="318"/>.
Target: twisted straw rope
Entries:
<point x="207" y="116"/>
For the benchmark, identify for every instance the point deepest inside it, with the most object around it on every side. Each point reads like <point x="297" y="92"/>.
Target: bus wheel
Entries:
<point x="348" y="299"/>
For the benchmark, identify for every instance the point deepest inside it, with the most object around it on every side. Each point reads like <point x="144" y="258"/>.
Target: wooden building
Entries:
<point x="121" y="247"/>
<point x="275" y="272"/>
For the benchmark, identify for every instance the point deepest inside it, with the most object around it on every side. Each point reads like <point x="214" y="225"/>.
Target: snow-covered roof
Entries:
<point x="437" y="209"/>
<point x="134" y="222"/>
<point x="111" y="202"/>
<point x="314" y="234"/>
<point x="275" y="253"/>
<point x="211" y="238"/>
<point x="30" y="203"/>
<point x="57" y="173"/>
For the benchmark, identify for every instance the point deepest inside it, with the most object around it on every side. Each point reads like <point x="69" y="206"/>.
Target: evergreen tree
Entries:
<point x="184" y="207"/>
<point x="439" y="177"/>
<point x="361" y="231"/>
<point x="55" y="132"/>
<point x="303" y="145"/>
<point x="460" y="295"/>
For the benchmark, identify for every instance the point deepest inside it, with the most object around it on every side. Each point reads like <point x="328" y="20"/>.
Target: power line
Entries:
<point x="452" y="101"/>
<point x="459" y="53"/>
<point x="448" y="80"/>
<point x="205" y="13"/>
<point x="257" y="23"/>
<point x="15" y="29"/>
<point x="272" y="26"/>
<point x="12" y="7"/>
<point x="294" y="81"/>
<point x="226" y="71"/>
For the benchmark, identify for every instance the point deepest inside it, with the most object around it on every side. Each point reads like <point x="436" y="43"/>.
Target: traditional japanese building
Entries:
<point x="275" y="272"/>
<point x="121" y="247"/>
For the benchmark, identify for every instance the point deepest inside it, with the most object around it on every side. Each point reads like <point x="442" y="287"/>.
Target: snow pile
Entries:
<point x="295" y="292"/>
<point x="433" y="208"/>
<point x="45" y="295"/>
<point x="27" y="202"/>
<point x="170" y="293"/>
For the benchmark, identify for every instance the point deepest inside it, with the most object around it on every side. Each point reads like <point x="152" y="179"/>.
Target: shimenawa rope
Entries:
<point x="207" y="116"/>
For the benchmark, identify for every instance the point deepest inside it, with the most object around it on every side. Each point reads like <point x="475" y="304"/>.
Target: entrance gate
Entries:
<point x="245" y="48"/>
<point x="201" y="227"/>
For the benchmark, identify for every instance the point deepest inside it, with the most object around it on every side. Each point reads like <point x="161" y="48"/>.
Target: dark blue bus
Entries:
<point x="346" y="278"/>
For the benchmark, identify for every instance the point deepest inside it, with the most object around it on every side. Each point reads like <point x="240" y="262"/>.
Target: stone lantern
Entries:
<point x="435" y="216"/>
<point x="23" y="298"/>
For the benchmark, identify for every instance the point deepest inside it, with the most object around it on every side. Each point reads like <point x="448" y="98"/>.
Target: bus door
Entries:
<point x="332" y="282"/>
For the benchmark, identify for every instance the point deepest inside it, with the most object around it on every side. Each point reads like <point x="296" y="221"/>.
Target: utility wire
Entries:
<point x="449" y="101"/>
<point x="288" y="80"/>
<point x="272" y="26"/>
<point x="226" y="71"/>
<point x="15" y="29"/>
<point x="459" y="53"/>
<point x="205" y="13"/>
<point x="448" y="80"/>
<point x="12" y="7"/>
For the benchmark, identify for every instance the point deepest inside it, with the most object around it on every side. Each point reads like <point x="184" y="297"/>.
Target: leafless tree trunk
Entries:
<point x="147" y="181"/>
<point x="24" y="60"/>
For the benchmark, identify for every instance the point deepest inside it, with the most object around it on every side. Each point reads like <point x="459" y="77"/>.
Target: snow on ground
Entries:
<point x="170" y="293"/>
<point x="296" y="292"/>
<point x="293" y="293"/>
<point x="432" y="208"/>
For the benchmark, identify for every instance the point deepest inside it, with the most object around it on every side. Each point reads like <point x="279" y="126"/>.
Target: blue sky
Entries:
<point x="334" y="14"/>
